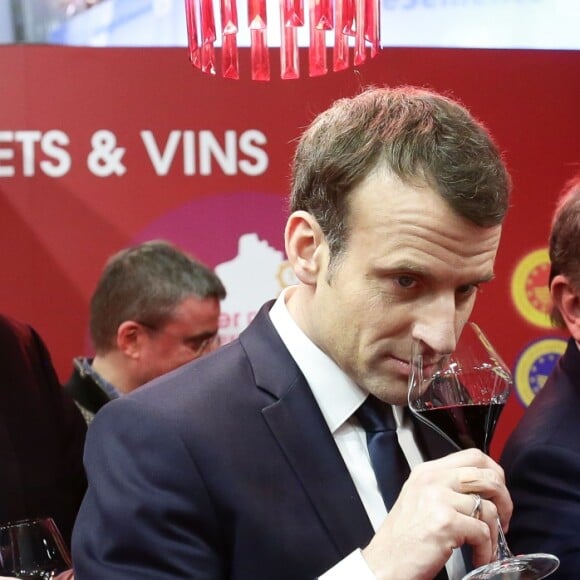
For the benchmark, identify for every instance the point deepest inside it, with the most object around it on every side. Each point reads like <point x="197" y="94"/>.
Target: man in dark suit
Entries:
<point x="542" y="456"/>
<point x="42" y="434"/>
<point x="251" y="463"/>
<point x="154" y="309"/>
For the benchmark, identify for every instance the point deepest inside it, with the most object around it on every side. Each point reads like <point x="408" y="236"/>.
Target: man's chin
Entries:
<point x="390" y="389"/>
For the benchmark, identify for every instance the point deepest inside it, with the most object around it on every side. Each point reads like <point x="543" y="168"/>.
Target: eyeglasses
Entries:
<point x="198" y="344"/>
<point x="201" y="345"/>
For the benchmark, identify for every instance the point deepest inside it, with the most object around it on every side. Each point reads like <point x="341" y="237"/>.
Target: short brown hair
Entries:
<point x="417" y="134"/>
<point x="565" y="241"/>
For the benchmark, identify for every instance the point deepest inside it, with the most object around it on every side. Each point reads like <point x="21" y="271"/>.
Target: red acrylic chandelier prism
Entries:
<point x="336" y="33"/>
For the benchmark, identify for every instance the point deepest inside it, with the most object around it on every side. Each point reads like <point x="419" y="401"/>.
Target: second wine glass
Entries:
<point x="32" y="549"/>
<point x="461" y="396"/>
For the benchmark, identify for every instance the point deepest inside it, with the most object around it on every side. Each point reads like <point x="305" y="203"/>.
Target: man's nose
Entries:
<point x="438" y="328"/>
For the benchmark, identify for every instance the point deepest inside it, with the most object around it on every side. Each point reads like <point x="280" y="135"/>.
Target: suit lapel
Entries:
<point x="296" y="422"/>
<point x="309" y="447"/>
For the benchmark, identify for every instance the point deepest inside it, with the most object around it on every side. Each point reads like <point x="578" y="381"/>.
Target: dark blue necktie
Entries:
<point x="389" y="463"/>
<point x="387" y="458"/>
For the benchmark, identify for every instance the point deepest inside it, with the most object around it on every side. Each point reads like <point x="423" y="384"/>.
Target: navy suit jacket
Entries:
<point x="224" y="468"/>
<point x="42" y="434"/>
<point x="542" y="464"/>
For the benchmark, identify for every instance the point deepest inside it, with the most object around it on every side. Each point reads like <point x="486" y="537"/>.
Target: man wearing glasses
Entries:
<point x="154" y="309"/>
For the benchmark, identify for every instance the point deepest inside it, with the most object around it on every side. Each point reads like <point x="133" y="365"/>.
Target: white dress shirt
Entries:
<point x="338" y="398"/>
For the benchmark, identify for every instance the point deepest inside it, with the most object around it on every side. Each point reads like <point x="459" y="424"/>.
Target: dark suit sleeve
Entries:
<point x="138" y="520"/>
<point x="544" y="481"/>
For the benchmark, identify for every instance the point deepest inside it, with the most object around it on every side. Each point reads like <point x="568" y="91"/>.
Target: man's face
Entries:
<point x="411" y="270"/>
<point x="190" y="333"/>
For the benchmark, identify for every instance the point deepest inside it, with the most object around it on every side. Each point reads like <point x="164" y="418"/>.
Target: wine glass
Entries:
<point x="32" y="549"/>
<point x="461" y="396"/>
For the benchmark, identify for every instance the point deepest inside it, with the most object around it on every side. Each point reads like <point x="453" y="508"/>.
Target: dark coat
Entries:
<point x="542" y="464"/>
<point x="87" y="394"/>
<point x="42" y="434"/>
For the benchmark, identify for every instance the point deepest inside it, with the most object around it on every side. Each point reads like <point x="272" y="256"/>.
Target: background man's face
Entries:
<point x="190" y="333"/>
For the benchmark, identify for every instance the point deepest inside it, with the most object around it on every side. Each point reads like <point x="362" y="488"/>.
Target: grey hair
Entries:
<point x="145" y="283"/>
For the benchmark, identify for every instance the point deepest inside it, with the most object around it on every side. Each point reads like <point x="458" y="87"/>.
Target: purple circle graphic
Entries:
<point x="209" y="227"/>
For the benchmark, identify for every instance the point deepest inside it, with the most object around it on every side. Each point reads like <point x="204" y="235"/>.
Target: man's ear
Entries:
<point x="567" y="301"/>
<point x="306" y="246"/>
<point x="130" y="337"/>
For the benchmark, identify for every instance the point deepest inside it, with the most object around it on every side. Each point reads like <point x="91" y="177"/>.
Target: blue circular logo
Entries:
<point x="534" y="364"/>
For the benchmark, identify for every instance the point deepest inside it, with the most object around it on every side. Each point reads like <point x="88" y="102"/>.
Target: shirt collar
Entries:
<point x="85" y="368"/>
<point x="337" y="395"/>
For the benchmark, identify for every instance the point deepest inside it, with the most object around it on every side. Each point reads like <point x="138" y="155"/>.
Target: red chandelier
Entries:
<point x="350" y="27"/>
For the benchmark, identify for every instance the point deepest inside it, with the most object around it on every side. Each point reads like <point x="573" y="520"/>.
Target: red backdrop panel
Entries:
<point x="103" y="147"/>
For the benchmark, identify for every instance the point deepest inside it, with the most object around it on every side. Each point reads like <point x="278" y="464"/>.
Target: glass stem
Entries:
<point x="503" y="550"/>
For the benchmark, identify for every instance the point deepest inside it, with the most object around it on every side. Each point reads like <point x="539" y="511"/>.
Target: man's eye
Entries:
<point x="467" y="289"/>
<point x="406" y="281"/>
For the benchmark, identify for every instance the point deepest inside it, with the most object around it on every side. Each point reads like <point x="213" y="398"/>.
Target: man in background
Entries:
<point x="154" y="309"/>
<point x="542" y="456"/>
<point x="42" y="434"/>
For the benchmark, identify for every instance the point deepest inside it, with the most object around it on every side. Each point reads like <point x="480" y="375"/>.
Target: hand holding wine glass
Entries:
<point x="32" y="549"/>
<point x="461" y="396"/>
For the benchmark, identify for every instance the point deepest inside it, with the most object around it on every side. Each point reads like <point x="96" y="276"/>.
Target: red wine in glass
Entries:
<point x="470" y="425"/>
<point x="461" y="397"/>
